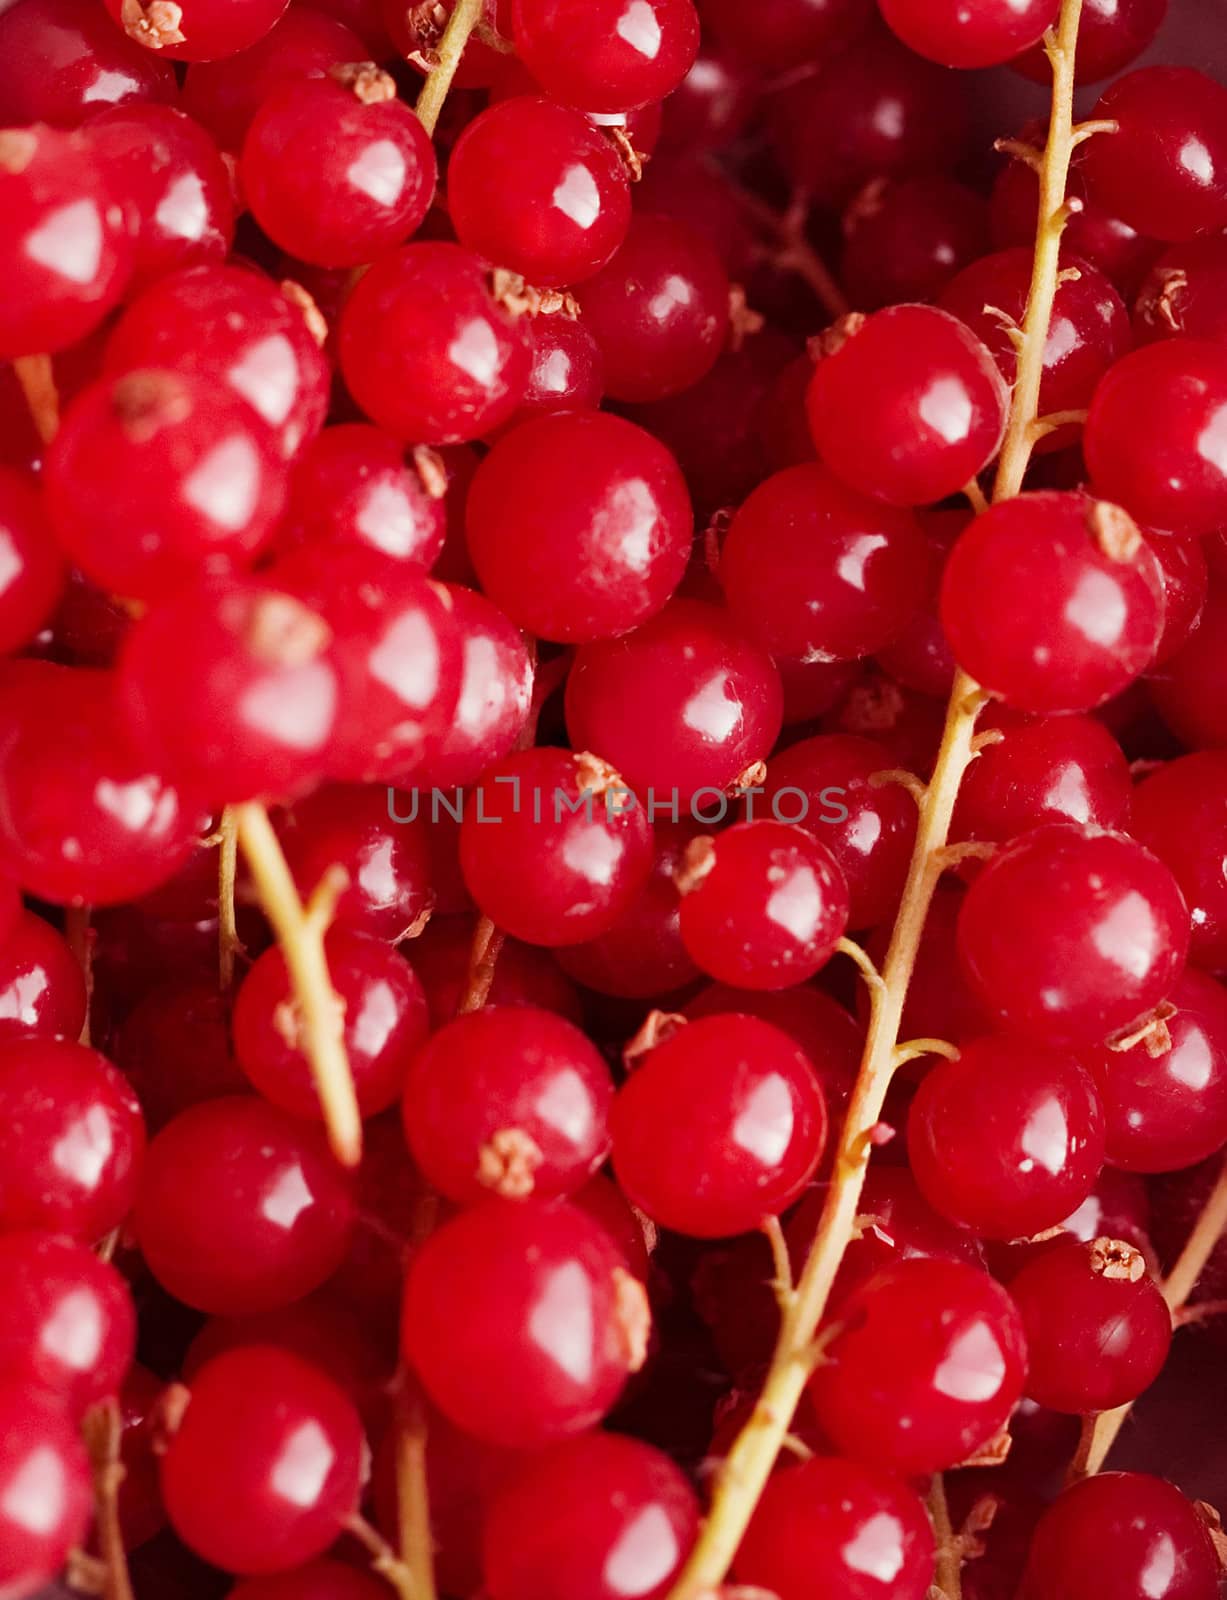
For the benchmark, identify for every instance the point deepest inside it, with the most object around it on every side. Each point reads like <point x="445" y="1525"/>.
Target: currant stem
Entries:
<point x="227" y="929"/>
<point x="483" y="958"/>
<point x="753" y="1454"/>
<point x="300" y="932"/>
<point x="103" y="1431"/>
<point x="384" y="1559"/>
<point x="412" y="1498"/>
<point x="464" y="18"/>
<point x="795" y="253"/>
<point x="80" y="940"/>
<point x="949" y="1551"/>
<point x="1177" y="1287"/>
<point x="37" y="380"/>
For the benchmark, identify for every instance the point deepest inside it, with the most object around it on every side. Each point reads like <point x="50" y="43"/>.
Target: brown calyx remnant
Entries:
<point x="1153" y="1032"/>
<point x="1159" y="307"/>
<point x="874" y="706"/>
<point x="743" y="320"/>
<point x="832" y="340"/>
<point x="993" y="1453"/>
<point x="522" y="300"/>
<point x="424" y="24"/>
<point x="166" y="1417"/>
<point x="286" y="633"/>
<point x="431" y="471"/>
<point x="146" y="402"/>
<point x="749" y="777"/>
<point x="697" y="861"/>
<point x="632" y="1316"/>
<point x="365" y="81"/>
<point x="17" y="149"/>
<point x="656" y="1028"/>
<point x="633" y="160"/>
<point x="864" y="205"/>
<point x="594" y="776"/>
<point x="154" y="25"/>
<point x="508" y="1162"/>
<point x="1213" y="1525"/>
<point x="1114" y="531"/>
<point x="1114" y="1258"/>
<point x="417" y="926"/>
<point x="317" y="325"/>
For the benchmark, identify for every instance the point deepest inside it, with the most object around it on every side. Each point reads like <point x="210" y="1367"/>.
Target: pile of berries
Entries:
<point x="613" y="799"/>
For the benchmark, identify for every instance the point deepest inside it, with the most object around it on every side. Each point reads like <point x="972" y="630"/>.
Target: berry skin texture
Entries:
<point x="909" y="408"/>
<point x="1111" y="1534"/>
<point x="719" y="1126"/>
<point x="953" y="33"/>
<point x="67" y="1324"/>
<point x="336" y="170"/>
<point x="598" y="1518"/>
<point x="45" y="1491"/>
<point x="828" y="1526"/>
<point x="923" y="1404"/>
<point x="1150" y="440"/>
<point x="687" y="702"/>
<point x="1165" y="168"/>
<point x="1095" y="602"/>
<point x="427" y="351"/>
<point x="554" y="847"/>
<point x="266" y="1463"/>
<point x="1180" y="812"/>
<point x="156" y="478"/>
<point x="71" y="1140"/>
<point x="906" y="240"/>
<point x="1073" y="934"/>
<point x="532" y="186"/>
<point x="42" y="987"/>
<point x="1111" y="35"/>
<point x="64" y="61"/>
<point x="606" y="55"/>
<point x="522" y="1322"/>
<point x="56" y="293"/>
<point x="816" y="571"/>
<point x="1098" y="1329"/>
<point x="241" y="1208"/>
<point x="1165" y="1096"/>
<point x="496" y="690"/>
<point x="1007" y="1140"/>
<point x="763" y="905"/>
<point x="659" y="310"/>
<point x="579" y="526"/>
<point x="32" y="568"/>
<point x="508" y="1100"/>
<point x="1183" y="293"/>
<point x="203" y="30"/>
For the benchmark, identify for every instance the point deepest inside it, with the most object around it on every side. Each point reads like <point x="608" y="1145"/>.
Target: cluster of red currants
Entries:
<point x="625" y="619"/>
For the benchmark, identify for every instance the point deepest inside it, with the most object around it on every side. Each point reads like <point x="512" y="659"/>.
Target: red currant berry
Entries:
<point x="927" y="1402"/>
<point x="426" y="349"/>
<point x="606" y="55"/>
<point x="612" y="1519"/>
<point x="982" y="34"/>
<point x="32" y="571"/>
<point x="1179" y="812"/>
<point x="199" y="30"/>
<point x="905" y="240"/>
<point x="42" y="988"/>
<point x="534" y="187"/>
<point x="579" y="526"/>
<point x="785" y="32"/>
<point x="524" y="976"/>
<point x="241" y="1208"/>
<point x="170" y="174"/>
<point x="67" y="252"/>
<point x="235" y="688"/>
<point x="509" y="1100"/>
<point x="568" y="369"/>
<point x="686" y="703"/>
<point x="909" y="408"/>
<point x="554" y="847"/>
<point x="71" y="1139"/>
<point x="189" y="1021"/>
<point x="1182" y="295"/>
<point x="1164" y="169"/>
<point x="156" y="478"/>
<point x="1072" y="934"/>
<point x="385" y="1019"/>
<point x="352" y="485"/>
<point x="1190" y="690"/>
<point x="62" y="62"/>
<point x="763" y="905"/>
<point x="1111" y="35"/>
<point x="337" y="170"/>
<point x="266" y="1464"/>
<point x="45" y="1493"/>
<point x="318" y="1580"/>
<point x="1098" y="602"/>
<point x="659" y="310"/>
<point x="1098" y="1329"/>
<point x="1008" y="1139"/>
<point x="719" y="1126"/>
<point x="495" y="692"/>
<point x="1111" y="1535"/>
<point x="816" y="571"/>
<point x="522" y="1321"/>
<point x="717" y="98"/>
<point x="828" y="1526"/>
<point x="1185" y="575"/>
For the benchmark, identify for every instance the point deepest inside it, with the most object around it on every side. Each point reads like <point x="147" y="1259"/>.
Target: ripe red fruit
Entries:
<point x="32" y="568"/>
<point x="719" y="1126"/>
<point x="200" y="30"/>
<point x="1111" y="34"/>
<point x="909" y="408"/>
<point x="925" y="1403"/>
<point x="1180" y="812"/>
<point x="906" y="239"/>
<point x="189" y="1019"/>
<point x="318" y="1580"/>
<point x="42" y="987"/>
<point x="63" y="61"/>
<point x="981" y="34"/>
<point x="522" y="1321"/>
<point x="1183" y="293"/>
<point x="496" y="691"/>
<point x="579" y="526"/>
<point x="785" y="32"/>
<point x="606" y="55"/>
<point x="266" y="1464"/>
<point x="45" y="1492"/>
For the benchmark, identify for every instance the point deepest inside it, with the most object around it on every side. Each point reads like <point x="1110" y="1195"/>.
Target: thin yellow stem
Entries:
<point x="37" y="380"/>
<point x="413" y="1500"/>
<point x="103" y="1431"/>
<point x="300" y="932"/>
<point x="753" y="1454"/>
<point x="466" y="14"/>
<point x="227" y="867"/>
<point x="384" y="1560"/>
<point x="483" y="959"/>
<point x="949" y="1550"/>
<point x="1177" y="1287"/>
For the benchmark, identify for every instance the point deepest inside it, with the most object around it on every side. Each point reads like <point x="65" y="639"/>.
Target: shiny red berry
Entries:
<point x="606" y="55"/>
